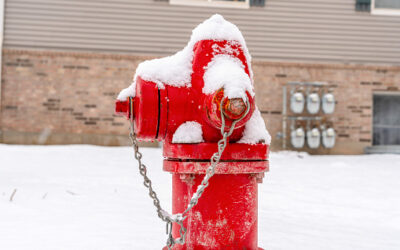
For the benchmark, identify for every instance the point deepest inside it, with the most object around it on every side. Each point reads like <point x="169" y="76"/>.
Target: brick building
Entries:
<point x="64" y="62"/>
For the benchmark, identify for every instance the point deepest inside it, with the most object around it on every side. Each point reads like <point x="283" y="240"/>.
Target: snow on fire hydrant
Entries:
<point x="184" y="100"/>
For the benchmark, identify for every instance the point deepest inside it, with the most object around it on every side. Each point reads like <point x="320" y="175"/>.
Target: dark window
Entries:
<point x="219" y="3"/>
<point x="230" y="3"/>
<point x="363" y="5"/>
<point x="386" y="125"/>
<point x="257" y="2"/>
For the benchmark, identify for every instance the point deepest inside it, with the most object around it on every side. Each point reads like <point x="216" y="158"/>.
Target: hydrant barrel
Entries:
<point x="226" y="215"/>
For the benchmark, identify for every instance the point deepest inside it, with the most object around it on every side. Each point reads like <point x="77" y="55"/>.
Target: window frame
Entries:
<point x="383" y="11"/>
<point x="212" y="3"/>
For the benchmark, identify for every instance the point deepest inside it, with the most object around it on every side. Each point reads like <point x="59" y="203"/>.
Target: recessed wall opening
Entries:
<point x="386" y="119"/>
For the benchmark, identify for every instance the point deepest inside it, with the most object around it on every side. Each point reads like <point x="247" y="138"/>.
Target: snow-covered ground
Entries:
<point x="88" y="197"/>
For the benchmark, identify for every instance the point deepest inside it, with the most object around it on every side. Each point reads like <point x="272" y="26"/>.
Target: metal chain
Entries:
<point x="215" y="159"/>
<point x="146" y="181"/>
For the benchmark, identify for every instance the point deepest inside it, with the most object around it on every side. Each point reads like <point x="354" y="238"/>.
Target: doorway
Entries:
<point x="386" y="119"/>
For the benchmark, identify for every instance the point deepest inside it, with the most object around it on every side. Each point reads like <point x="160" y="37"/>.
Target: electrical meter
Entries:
<point x="297" y="137"/>
<point x="313" y="103"/>
<point x="297" y="102"/>
<point x="328" y="103"/>
<point x="313" y="138"/>
<point x="328" y="138"/>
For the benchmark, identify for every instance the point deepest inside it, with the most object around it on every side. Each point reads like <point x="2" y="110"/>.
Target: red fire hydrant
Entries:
<point x="187" y="117"/>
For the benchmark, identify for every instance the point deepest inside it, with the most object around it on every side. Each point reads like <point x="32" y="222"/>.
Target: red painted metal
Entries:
<point x="224" y="167"/>
<point x="146" y="109"/>
<point x="204" y="151"/>
<point x="122" y="108"/>
<point x="226" y="215"/>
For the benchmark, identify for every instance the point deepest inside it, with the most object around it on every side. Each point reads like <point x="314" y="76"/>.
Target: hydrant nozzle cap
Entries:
<point x="124" y="108"/>
<point x="234" y="108"/>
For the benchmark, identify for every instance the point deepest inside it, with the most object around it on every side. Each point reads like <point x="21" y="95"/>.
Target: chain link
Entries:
<point x="215" y="159"/>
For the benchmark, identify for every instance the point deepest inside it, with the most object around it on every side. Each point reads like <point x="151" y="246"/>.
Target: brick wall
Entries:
<point x="68" y="97"/>
<point x="56" y="97"/>
<point x="353" y="86"/>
